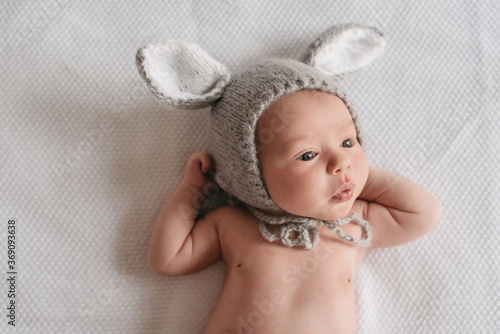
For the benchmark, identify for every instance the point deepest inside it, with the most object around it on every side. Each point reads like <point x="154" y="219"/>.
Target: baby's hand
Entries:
<point x="197" y="171"/>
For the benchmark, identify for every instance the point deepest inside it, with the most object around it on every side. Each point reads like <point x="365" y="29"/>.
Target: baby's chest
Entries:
<point x="326" y="266"/>
<point x="247" y="252"/>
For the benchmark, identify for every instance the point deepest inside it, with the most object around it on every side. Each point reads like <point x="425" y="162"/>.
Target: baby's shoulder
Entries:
<point x="237" y="227"/>
<point x="229" y="213"/>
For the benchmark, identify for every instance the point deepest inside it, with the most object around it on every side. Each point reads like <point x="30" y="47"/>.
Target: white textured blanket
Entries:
<point x="88" y="156"/>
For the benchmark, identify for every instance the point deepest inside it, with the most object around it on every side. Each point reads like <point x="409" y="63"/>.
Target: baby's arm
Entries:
<point x="180" y="244"/>
<point x="398" y="210"/>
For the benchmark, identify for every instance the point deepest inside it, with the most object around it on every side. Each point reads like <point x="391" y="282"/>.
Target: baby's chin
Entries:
<point x="339" y="211"/>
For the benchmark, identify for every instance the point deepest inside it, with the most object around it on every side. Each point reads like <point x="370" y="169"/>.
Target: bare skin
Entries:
<point x="270" y="288"/>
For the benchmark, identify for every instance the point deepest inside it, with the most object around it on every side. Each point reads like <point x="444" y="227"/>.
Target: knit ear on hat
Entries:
<point x="182" y="74"/>
<point x="345" y="49"/>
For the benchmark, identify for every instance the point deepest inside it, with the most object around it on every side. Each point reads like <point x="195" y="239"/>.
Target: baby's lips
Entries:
<point x="345" y="191"/>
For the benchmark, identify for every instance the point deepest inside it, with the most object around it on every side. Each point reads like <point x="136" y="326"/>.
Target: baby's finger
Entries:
<point x="207" y="164"/>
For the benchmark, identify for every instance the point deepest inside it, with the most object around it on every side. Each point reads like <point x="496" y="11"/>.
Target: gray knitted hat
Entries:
<point x="184" y="76"/>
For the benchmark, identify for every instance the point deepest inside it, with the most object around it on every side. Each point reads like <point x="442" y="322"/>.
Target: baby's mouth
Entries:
<point x="345" y="192"/>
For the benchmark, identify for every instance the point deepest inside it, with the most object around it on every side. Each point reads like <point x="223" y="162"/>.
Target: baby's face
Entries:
<point x="311" y="162"/>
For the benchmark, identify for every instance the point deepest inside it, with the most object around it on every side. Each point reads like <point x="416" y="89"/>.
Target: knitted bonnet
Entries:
<point x="184" y="76"/>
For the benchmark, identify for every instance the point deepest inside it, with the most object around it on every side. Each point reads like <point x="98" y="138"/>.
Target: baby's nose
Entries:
<point x="339" y="164"/>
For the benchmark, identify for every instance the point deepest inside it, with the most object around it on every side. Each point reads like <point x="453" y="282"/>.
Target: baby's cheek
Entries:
<point x="288" y="193"/>
<point x="279" y="189"/>
<point x="363" y="171"/>
<point x="303" y="191"/>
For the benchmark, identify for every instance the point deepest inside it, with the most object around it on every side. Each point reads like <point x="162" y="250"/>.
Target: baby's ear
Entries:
<point x="182" y="74"/>
<point x="345" y="49"/>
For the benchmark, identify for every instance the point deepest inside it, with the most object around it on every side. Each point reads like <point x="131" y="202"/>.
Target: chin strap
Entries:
<point x="350" y="238"/>
<point x="306" y="229"/>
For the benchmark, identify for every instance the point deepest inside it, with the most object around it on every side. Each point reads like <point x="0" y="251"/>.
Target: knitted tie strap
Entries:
<point x="307" y="235"/>
<point x="350" y="238"/>
<point x="306" y="229"/>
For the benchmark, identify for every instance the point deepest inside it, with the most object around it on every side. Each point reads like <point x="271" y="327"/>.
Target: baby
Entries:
<point x="286" y="146"/>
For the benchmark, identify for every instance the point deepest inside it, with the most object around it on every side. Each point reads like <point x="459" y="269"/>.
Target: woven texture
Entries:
<point x="89" y="156"/>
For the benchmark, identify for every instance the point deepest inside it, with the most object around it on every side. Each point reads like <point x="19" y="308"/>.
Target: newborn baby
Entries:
<point x="305" y="205"/>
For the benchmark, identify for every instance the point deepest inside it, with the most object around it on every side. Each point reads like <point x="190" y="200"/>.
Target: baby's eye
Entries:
<point x="307" y="156"/>
<point x="347" y="143"/>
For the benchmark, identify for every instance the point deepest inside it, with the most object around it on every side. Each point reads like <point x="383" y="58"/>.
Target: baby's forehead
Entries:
<point x="298" y="113"/>
<point x="298" y="102"/>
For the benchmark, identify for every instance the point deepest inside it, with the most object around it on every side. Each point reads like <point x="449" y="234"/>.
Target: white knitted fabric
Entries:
<point x="189" y="78"/>
<point x="89" y="156"/>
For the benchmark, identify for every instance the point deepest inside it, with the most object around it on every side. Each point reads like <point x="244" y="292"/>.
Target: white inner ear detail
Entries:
<point x="183" y="71"/>
<point x="349" y="51"/>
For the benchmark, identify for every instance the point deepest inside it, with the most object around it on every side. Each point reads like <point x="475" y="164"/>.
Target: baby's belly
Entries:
<point x="302" y="295"/>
